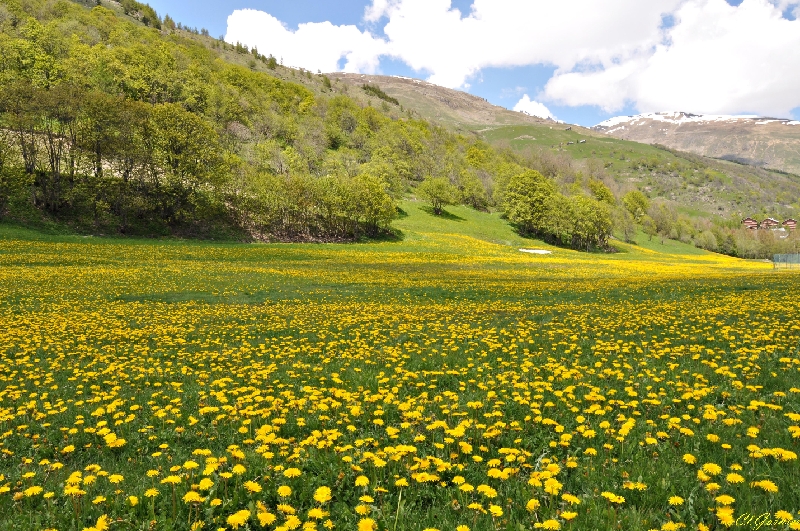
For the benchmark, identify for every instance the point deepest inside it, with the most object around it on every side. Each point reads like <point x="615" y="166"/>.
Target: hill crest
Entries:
<point x="454" y="108"/>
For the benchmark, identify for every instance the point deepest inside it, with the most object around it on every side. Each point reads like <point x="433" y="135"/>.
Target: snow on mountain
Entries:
<point x="678" y="118"/>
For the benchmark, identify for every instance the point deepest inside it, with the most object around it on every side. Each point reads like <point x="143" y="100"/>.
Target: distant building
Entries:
<point x="750" y="223"/>
<point x="770" y="223"/>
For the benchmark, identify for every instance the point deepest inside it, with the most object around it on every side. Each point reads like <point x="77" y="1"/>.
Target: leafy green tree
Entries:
<point x="665" y="217"/>
<point x="438" y="192"/>
<point x="601" y="192"/>
<point x="99" y="129"/>
<point x="471" y="191"/>
<point x="706" y="240"/>
<point x="528" y="200"/>
<point x="187" y="145"/>
<point x="649" y="227"/>
<point x="637" y="204"/>
<point x="560" y="222"/>
<point x="624" y="224"/>
<point x="592" y="223"/>
<point x="21" y="117"/>
<point x="374" y="208"/>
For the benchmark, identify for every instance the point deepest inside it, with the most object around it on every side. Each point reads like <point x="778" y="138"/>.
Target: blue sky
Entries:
<point x="578" y="91"/>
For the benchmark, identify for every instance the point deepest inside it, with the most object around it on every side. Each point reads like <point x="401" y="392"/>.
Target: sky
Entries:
<point x="579" y="61"/>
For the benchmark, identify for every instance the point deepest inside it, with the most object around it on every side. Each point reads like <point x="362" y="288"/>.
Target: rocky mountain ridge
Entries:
<point x="772" y="143"/>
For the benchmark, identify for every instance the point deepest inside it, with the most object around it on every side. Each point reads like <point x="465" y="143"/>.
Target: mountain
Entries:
<point x="452" y="108"/>
<point x="772" y="143"/>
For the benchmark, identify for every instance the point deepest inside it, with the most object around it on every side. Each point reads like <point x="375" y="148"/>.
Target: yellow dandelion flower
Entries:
<point x="192" y="497"/>
<point x="252" y="487"/>
<point x="238" y="518"/>
<point x="734" y="478"/>
<point x="292" y="472"/>
<point x="322" y="495"/>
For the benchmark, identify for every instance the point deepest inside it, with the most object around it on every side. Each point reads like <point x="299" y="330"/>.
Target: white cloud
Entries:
<point x="720" y="59"/>
<point x="715" y="58"/>
<point x="315" y="46"/>
<point x="533" y="108"/>
<point x="430" y="35"/>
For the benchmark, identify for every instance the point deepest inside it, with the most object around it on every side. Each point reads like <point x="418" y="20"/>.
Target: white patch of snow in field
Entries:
<point x="536" y="251"/>
<point x="794" y="122"/>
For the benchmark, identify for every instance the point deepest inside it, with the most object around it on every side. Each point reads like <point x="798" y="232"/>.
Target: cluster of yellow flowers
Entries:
<point x="235" y="387"/>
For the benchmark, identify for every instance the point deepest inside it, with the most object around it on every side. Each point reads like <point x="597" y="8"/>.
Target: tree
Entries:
<point x="169" y="23"/>
<point x="706" y="240"/>
<point x="665" y="217"/>
<point x="528" y="201"/>
<point x="5" y="155"/>
<point x="21" y="112"/>
<point x="373" y="206"/>
<point x="601" y="192"/>
<point x="438" y="192"/>
<point x="187" y="144"/>
<point x="471" y="191"/>
<point x="636" y="203"/>
<point x="592" y="223"/>
<point x="624" y="223"/>
<point x="649" y="227"/>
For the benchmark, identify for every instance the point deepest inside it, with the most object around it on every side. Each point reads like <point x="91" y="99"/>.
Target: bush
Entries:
<point x="438" y="192"/>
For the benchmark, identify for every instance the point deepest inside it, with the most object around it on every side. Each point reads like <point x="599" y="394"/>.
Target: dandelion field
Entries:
<point x="441" y="382"/>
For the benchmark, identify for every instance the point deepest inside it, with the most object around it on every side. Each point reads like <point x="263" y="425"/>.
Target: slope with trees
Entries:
<point x="115" y="120"/>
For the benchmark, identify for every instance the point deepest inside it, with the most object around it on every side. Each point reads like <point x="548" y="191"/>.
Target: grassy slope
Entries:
<point x="705" y="187"/>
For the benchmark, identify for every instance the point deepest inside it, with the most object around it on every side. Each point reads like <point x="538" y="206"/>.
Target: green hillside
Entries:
<point x="708" y="193"/>
<point x="699" y="186"/>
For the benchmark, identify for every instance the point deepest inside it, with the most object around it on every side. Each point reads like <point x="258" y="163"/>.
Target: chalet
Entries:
<point x="789" y="224"/>
<point x="750" y="223"/>
<point x="770" y="223"/>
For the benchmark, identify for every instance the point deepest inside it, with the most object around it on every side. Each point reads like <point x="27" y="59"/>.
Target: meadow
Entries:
<point x="442" y="381"/>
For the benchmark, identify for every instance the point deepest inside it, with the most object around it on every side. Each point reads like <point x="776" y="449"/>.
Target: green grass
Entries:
<point x="607" y="149"/>
<point x="276" y="356"/>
